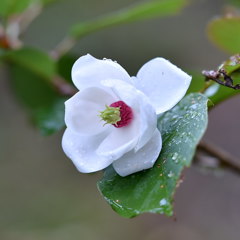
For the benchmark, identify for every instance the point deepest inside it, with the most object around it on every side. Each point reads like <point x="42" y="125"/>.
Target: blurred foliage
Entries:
<point x="44" y="104"/>
<point x="235" y="2"/>
<point x="144" y="11"/>
<point x="152" y="190"/>
<point x="225" y="33"/>
<point x="12" y="7"/>
<point x="64" y="66"/>
<point x="34" y="60"/>
<point x="9" y="7"/>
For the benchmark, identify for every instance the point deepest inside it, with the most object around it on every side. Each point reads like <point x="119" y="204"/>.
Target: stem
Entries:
<point x="224" y="157"/>
<point x="63" y="87"/>
<point x="63" y="47"/>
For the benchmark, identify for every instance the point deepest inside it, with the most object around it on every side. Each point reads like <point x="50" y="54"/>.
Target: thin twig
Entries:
<point x="221" y="77"/>
<point x="63" y="47"/>
<point x="63" y="87"/>
<point x="224" y="157"/>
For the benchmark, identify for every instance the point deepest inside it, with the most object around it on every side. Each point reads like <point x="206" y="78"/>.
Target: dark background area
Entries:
<point x="42" y="196"/>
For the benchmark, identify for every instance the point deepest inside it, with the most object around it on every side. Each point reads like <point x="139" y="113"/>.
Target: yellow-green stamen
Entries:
<point x="111" y="115"/>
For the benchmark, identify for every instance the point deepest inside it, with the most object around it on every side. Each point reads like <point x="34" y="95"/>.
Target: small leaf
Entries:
<point x="50" y="119"/>
<point x="231" y="65"/>
<point x="44" y="104"/>
<point x="9" y="7"/>
<point x="34" y="60"/>
<point x="153" y="190"/>
<point x="197" y="83"/>
<point x="143" y="11"/>
<point x="218" y="93"/>
<point x="225" y="93"/>
<point x="64" y="66"/>
<point x="225" y="33"/>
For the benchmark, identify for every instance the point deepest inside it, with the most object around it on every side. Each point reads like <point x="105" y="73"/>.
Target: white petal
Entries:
<point x="119" y="141"/>
<point x="88" y="71"/>
<point x="164" y="83"/>
<point x="144" y="158"/>
<point x="142" y="109"/>
<point x="82" y="110"/>
<point x="81" y="150"/>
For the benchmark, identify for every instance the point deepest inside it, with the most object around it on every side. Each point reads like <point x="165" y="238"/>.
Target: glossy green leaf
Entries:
<point x="44" y="104"/>
<point x="142" y="11"/>
<point x="225" y="33"/>
<point x="153" y="190"/>
<point x="34" y="60"/>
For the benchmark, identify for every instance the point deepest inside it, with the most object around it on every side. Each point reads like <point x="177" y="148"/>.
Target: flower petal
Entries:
<point x="81" y="150"/>
<point x="144" y="158"/>
<point x="82" y="110"/>
<point x="142" y="109"/>
<point x="119" y="141"/>
<point x="164" y="83"/>
<point x="88" y="71"/>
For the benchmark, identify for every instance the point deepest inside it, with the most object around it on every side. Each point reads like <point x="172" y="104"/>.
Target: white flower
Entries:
<point x="113" y="118"/>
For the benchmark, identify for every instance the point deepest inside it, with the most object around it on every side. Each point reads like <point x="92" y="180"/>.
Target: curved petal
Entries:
<point x="164" y="83"/>
<point x="119" y="141"/>
<point x="142" y="109"/>
<point x="81" y="150"/>
<point x="88" y="71"/>
<point x="82" y="111"/>
<point x="145" y="158"/>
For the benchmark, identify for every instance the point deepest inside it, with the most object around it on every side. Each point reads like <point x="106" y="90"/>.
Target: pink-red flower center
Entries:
<point x="126" y="114"/>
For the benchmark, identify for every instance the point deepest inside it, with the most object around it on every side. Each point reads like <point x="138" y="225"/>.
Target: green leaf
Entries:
<point x="225" y="93"/>
<point x="197" y="83"/>
<point x="231" y="65"/>
<point x="9" y="7"/>
<point x="143" y="11"/>
<point x="45" y="2"/>
<point x="44" y="104"/>
<point x="64" y="66"/>
<point x="34" y="60"/>
<point x="218" y="93"/>
<point x="235" y="2"/>
<point x="50" y="119"/>
<point x="225" y="33"/>
<point x="153" y="190"/>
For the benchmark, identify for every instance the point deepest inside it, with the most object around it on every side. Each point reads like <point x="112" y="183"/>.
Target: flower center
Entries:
<point x="119" y="114"/>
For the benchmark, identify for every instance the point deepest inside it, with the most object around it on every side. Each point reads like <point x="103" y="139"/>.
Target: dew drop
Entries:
<point x="171" y="174"/>
<point x="175" y="155"/>
<point x="163" y="202"/>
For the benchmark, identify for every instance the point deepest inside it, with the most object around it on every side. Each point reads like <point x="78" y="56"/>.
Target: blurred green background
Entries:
<point x="42" y="196"/>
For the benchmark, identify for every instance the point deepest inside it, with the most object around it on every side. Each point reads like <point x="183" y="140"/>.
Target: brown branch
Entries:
<point x="224" y="157"/>
<point x="220" y="77"/>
